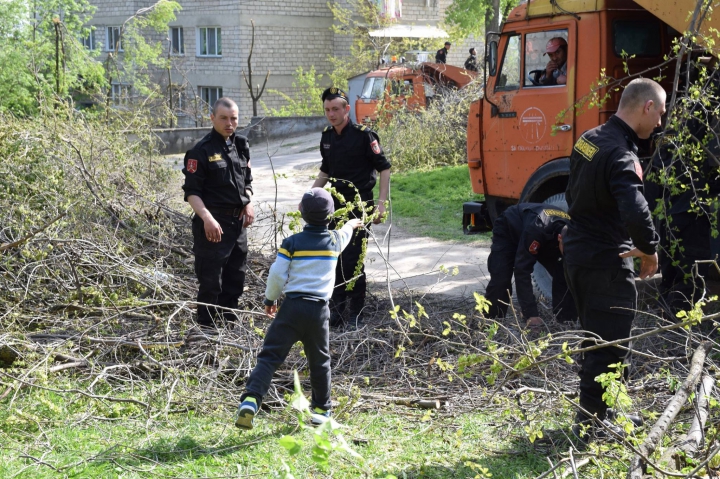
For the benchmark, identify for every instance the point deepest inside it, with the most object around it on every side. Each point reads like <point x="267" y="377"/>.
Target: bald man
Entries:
<point x="610" y="223"/>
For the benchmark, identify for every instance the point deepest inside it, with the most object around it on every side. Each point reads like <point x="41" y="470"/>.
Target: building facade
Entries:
<point x="210" y="40"/>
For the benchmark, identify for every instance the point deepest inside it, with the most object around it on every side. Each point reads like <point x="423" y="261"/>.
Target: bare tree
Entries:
<point x="248" y="78"/>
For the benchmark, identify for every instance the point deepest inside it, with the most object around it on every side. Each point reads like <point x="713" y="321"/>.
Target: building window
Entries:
<point x="121" y="93"/>
<point x="209" y="95"/>
<point x="208" y="42"/>
<point x="177" y="41"/>
<point x="89" y="40"/>
<point x="113" y="38"/>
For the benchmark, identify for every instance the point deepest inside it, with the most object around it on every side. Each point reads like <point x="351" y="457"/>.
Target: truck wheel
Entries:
<point x="542" y="281"/>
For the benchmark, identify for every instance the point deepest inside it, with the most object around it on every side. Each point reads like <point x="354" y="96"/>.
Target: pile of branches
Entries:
<point x="97" y="288"/>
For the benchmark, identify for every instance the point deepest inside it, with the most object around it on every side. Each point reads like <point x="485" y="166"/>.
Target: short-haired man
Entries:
<point x="441" y="55"/>
<point x="610" y="223"/>
<point x="556" y="68"/>
<point x="218" y="186"/>
<point x="351" y="158"/>
<point x="471" y="62"/>
<point x="526" y="234"/>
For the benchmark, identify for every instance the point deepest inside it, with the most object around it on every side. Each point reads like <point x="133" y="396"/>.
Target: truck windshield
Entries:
<point x="373" y="88"/>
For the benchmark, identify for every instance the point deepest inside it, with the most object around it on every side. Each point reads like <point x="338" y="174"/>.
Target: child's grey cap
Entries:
<point x="317" y="207"/>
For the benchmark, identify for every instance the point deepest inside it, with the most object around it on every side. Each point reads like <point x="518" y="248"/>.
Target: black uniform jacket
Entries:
<point x="441" y="56"/>
<point x="605" y="195"/>
<point x="534" y="228"/>
<point x="219" y="174"/>
<point x="354" y="155"/>
<point x="697" y="179"/>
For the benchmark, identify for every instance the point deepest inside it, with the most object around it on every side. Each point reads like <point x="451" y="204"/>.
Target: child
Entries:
<point x="305" y="267"/>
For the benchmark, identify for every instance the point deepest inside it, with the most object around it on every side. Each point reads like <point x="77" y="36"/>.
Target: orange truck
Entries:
<point x="520" y="133"/>
<point x="405" y="86"/>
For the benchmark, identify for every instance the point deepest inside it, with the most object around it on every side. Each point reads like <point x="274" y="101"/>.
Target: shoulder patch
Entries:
<point x="586" y="148"/>
<point x="559" y="213"/>
<point x="534" y="247"/>
<point x="327" y="128"/>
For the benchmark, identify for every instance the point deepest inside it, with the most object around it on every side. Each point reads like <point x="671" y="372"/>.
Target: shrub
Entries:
<point x="432" y="137"/>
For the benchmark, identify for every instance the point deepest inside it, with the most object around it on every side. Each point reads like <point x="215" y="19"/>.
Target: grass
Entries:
<point x="397" y="442"/>
<point x="429" y="203"/>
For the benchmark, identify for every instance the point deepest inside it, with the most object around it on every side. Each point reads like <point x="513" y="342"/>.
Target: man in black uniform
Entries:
<point x="441" y="55"/>
<point x="686" y="226"/>
<point x="471" y="62"/>
<point x="610" y="223"/>
<point x="351" y="158"/>
<point x="218" y="188"/>
<point x="525" y="234"/>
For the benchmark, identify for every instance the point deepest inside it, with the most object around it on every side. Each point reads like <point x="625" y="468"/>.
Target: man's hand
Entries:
<point x="213" y="231"/>
<point x="648" y="262"/>
<point x="270" y="311"/>
<point x="355" y="223"/>
<point x="379" y="213"/>
<point x="550" y="68"/>
<point x="249" y="215"/>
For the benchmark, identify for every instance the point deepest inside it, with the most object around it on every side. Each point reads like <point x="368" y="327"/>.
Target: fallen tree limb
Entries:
<point x="635" y="471"/>
<point x="695" y="437"/>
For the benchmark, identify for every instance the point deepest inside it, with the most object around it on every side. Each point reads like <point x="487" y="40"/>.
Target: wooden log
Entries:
<point x="694" y="439"/>
<point x="635" y="471"/>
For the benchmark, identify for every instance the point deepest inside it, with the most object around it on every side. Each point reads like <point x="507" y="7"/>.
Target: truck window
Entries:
<point x="509" y="78"/>
<point x="637" y="37"/>
<point x="535" y="58"/>
<point x="373" y="88"/>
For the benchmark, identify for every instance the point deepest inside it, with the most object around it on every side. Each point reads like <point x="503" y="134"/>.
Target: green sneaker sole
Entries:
<point x="245" y="420"/>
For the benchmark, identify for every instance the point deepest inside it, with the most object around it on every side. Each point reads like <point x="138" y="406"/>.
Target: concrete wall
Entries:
<point x="179" y="140"/>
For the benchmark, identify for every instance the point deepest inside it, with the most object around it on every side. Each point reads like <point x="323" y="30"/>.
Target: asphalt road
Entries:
<point x="284" y="170"/>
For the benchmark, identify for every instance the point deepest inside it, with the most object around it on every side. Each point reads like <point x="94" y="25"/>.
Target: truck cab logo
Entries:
<point x="532" y="125"/>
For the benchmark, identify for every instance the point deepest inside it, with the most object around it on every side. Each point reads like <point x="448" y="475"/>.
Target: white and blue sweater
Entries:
<point x="305" y="264"/>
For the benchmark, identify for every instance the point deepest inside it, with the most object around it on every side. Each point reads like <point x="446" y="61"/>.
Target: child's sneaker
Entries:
<point x="246" y="412"/>
<point x="319" y="416"/>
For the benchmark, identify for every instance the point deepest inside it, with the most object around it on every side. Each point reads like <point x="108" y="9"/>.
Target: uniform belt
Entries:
<point x="236" y="212"/>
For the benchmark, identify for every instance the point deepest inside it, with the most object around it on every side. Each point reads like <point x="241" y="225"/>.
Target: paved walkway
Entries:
<point x="414" y="263"/>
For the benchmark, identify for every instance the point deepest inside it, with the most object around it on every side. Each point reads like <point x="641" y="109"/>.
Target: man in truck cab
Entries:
<point x="526" y="234"/>
<point x="556" y="68"/>
<point x="610" y="224"/>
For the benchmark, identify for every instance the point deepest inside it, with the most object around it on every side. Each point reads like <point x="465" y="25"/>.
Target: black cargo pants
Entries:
<point x="220" y="267"/>
<point x="298" y="319"/>
<point x="346" y="269"/>
<point x="681" y="284"/>
<point x="606" y="301"/>
<point x="501" y="264"/>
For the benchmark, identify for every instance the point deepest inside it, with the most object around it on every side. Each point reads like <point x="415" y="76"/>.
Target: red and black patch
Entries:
<point x="191" y="166"/>
<point x="534" y="247"/>
<point x="375" y="147"/>
<point x="638" y="169"/>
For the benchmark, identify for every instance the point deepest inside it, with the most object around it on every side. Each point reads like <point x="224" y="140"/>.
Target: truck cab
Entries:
<point x="521" y="133"/>
<point x="406" y="85"/>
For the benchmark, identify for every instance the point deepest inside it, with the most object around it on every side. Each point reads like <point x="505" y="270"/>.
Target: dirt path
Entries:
<point x="415" y="264"/>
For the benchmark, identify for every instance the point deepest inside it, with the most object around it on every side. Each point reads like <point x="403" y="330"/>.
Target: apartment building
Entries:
<point x="210" y="42"/>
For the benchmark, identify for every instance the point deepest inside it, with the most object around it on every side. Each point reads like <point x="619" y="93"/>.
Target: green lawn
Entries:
<point x="393" y="442"/>
<point x="430" y="203"/>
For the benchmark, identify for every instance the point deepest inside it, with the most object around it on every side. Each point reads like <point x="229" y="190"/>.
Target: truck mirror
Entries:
<point x="491" y="58"/>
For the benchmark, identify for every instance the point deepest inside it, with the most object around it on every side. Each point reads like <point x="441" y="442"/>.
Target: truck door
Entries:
<point x="527" y="123"/>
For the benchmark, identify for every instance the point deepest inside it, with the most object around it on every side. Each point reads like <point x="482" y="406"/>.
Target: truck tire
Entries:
<point x="542" y="281"/>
